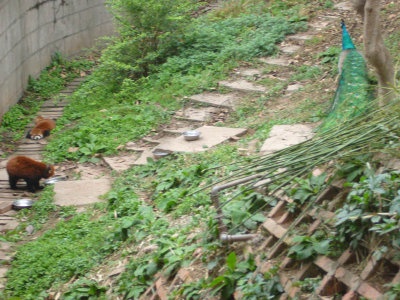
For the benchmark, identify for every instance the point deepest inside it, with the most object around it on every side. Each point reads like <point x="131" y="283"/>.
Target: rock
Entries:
<point x="150" y="248"/>
<point x="29" y="229"/>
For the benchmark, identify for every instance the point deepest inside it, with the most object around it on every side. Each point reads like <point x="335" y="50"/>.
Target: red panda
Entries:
<point x="41" y="129"/>
<point x="22" y="167"/>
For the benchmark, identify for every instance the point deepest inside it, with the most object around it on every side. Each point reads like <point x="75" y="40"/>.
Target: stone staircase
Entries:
<point x="53" y="109"/>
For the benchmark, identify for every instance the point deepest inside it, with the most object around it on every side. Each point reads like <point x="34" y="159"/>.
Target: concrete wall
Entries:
<point x="32" y="30"/>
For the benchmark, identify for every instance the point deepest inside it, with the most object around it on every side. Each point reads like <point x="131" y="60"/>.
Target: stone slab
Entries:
<point x="5" y="246"/>
<point x="32" y="146"/>
<point x="218" y="100"/>
<point x="290" y="49"/>
<point x="80" y="192"/>
<point x="121" y="163"/>
<point x="300" y="37"/>
<point x="142" y="160"/>
<point x="201" y="114"/>
<point x="293" y="87"/>
<point x="156" y="140"/>
<point x="250" y="72"/>
<point x="3" y="272"/>
<point x="3" y="174"/>
<point x="210" y="137"/>
<point x="283" y="136"/>
<point x="4" y="257"/>
<point x="178" y="130"/>
<point x="9" y="225"/>
<point x="134" y="147"/>
<point x="243" y="85"/>
<point x="320" y="25"/>
<point x="5" y="206"/>
<point x="276" y="61"/>
<point x="346" y="6"/>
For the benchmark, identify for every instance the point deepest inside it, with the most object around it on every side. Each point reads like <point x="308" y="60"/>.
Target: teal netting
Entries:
<point x="353" y="92"/>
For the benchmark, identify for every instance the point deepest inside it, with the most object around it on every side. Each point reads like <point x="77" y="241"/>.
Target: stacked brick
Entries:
<point x="340" y="276"/>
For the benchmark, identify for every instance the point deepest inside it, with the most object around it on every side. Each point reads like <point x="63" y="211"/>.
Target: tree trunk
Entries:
<point x="375" y="50"/>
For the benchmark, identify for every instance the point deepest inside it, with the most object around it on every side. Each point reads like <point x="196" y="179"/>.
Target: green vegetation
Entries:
<point x="50" y="82"/>
<point x="372" y="207"/>
<point x="156" y="218"/>
<point x="125" y="98"/>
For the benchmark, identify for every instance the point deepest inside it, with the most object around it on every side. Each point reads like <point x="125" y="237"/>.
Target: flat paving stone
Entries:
<point x="320" y="25"/>
<point x="3" y="271"/>
<point x="283" y="136"/>
<point x="290" y="49"/>
<point x="134" y="147"/>
<point x="346" y="6"/>
<point x="80" y="192"/>
<point x="218" y="100"/>
<point x="5" y="206"/>
<point x="8" y="225"/>
<point x="293" y="87"/>
<point x="153" y="140"/>
<point x="300" y="37"/>
<point x="250" y="72"/>
<point x="31" y="147"/>
<point x="3" y="174"/>
<point x="142" y="160"/>
<point x="243" y="85"/>
<point x="4" y="258"/>
<point x="5" y="246"/>
<point x="201" y="114"/>
<point x="210" y="137"/>
<point x="121" y="163"/>
<point x="276" y="61"/>
<point x="178" y="130"/>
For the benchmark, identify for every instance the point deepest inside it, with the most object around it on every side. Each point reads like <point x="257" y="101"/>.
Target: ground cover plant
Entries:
<point x="151" y="217"/>
<point x="127" y="96"/>
<point x="50" y="82"/>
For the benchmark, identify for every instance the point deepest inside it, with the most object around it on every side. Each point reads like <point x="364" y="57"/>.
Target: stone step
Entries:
<point x="216" y="100"/>
<point x="276" y="61"/>
<point x="121" y="162"/>
<point x="283" y="136"/>
<point x="178" y="131"/>
<point x="243" y="85"/>
<point x="201" y="114"/>
<point x="344" y="6"/>
<point x="32" y="146"/>
<point x="53" y="103"/>
<point x="290" y="49"/>
<point x="51" y="109"/>
<point x="142" y="160"/>
<point x="80" y="192"/>
<point x="300" y="37"/>
<point x="210" y="137"/>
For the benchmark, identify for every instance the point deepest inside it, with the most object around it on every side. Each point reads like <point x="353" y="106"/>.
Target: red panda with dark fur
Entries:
<point x="22" y="167"/>
<point x="41" y="129"/>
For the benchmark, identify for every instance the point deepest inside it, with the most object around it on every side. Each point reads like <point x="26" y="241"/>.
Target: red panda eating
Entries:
<point x="22" y="167"/>
<point x="41" y="129"/>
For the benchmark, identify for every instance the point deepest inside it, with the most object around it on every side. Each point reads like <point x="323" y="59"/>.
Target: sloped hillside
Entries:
<point x="318" y="220"/>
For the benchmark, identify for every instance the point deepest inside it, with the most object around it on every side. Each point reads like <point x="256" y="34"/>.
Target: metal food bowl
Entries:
<point x="22" y="203"/>
<point x="159" y="154"/>
<point x="191" y="135"/>
<point x="55" y="179"/>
